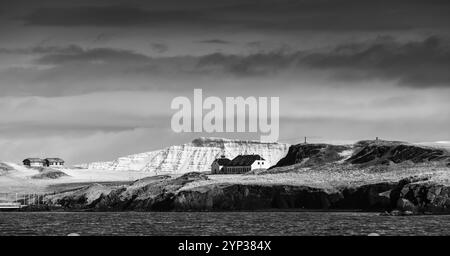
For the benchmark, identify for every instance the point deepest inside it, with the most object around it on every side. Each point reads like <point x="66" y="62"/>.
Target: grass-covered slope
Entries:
<point x="369" y="153"/>
<point x="313" y="154"/>
<point x="385" y="152"/>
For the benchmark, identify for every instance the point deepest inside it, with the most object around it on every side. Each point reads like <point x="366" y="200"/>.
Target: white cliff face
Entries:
<point x="196" y="156"/>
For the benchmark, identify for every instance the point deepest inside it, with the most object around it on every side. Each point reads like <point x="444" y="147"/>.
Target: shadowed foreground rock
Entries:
<point x="424" y="198"/>
<point x="163" y="193"/>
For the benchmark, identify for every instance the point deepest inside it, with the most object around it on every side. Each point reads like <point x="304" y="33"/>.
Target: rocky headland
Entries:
<point x="413" y="195"/>
<point x="393" y="178"/>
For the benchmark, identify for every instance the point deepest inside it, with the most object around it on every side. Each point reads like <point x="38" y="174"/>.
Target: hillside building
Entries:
<point x="242" y="164"/>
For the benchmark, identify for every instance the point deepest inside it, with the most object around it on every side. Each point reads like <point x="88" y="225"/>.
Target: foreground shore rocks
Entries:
<point x="413" y="195"/>
<point x="425" y="197"/>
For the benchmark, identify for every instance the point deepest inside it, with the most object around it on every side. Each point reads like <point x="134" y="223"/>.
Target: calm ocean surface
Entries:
<point x="219" y="223"/>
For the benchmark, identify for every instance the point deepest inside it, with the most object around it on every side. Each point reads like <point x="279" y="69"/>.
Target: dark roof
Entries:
<point x="222" y="161"/>
<point x="34" y="160"/>
<point x="244" y="160"/>
<point x="54" y="160"/>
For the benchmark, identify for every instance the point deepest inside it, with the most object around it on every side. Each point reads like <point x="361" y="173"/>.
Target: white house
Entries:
<point x="33" y="162"/>
<point x="244" y="163"/>
<point x="53" y="162"/>
<point x="48" y="162"/>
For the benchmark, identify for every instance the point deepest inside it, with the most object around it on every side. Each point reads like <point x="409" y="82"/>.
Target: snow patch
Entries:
<point x="346" y="154"/>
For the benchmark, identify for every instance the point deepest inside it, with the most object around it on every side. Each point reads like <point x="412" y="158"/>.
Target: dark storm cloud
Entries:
<point x="418" y="64"/>
<point x="103" y="38"/>
<point x="71" y="49"/>
<point x="74" y="70"/>
<point x="255" y="44"/>
<point x="422" y="64"/>
<point x="249" y="65"/>
<point x="100" y="55"/>
<point x="117" y="15"/>
<point x="214" y="41"/>
<point x="266" y="14"/>
<point x="58" y="55"/>
<point x="159" y="47"/>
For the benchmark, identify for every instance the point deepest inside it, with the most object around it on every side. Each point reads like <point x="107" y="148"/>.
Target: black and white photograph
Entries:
<point x="210" y="118"/>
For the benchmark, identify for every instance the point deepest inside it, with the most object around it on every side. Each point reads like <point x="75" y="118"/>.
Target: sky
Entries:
<point x="94" y="80"/>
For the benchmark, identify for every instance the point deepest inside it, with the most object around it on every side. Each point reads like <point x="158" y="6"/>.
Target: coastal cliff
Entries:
<point x="195" y="156"/>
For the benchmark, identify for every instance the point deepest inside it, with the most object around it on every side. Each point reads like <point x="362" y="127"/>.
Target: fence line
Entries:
<point x="23" y="198"/>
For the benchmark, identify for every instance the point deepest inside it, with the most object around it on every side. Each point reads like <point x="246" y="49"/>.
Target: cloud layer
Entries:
<point x="93" y="79"/>
<point x="255" y="14"/>
<point x="76" y="70"/>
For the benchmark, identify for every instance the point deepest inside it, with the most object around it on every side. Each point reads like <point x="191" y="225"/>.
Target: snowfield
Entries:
<point x="19" y="178"/>
<point x="195" y="156"/>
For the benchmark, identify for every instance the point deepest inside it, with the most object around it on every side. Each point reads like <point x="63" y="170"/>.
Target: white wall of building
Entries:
<point x="260" y="164"/>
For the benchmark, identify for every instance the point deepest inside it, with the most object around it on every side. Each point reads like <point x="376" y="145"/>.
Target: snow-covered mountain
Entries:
<point x="195" y="156"/>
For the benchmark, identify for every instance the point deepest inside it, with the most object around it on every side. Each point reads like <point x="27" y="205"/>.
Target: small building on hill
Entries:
<point x="48" y="162"/>
<point x="33" y="162"/>
<point x="244" y="163"/>
<point x="53" y="162"/>
<point x="218" y="164"/>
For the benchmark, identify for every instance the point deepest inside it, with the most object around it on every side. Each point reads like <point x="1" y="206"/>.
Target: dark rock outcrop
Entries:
<point x="48" y="173"/>
<point x="149" y="194"/>
<point x="367" y="197"/>
<point x="312" y="154"/>
<point x="396" y="193"/>
<point x="425" y="198"/>
<point x="409" y="195"/>
<point x="84" y="198"/>
<point x="166" y="194"/>
<point x="365" y="153"/>
<point x="385" y="152"/>
<point x="253" y="197"/>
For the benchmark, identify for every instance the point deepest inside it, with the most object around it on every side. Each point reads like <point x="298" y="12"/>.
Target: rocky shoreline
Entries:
<point x="390" y="177"/>
<point x="413" y="195"/>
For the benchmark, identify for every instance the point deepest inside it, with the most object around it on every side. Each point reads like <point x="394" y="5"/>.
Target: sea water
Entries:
<point x="219" y="223"/>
